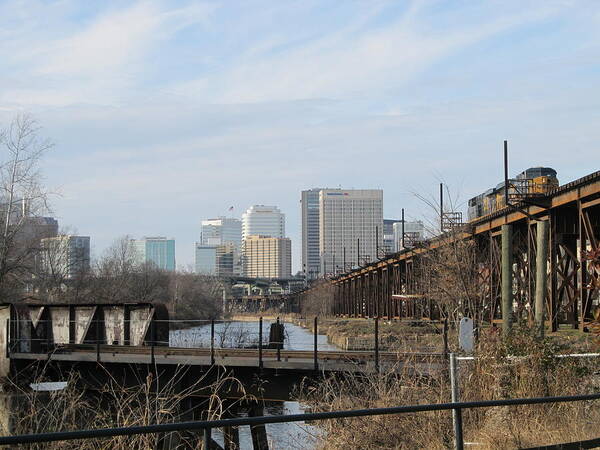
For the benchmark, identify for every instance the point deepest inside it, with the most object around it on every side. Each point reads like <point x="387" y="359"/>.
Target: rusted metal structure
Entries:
<point x="394" y="286"/>
<point x="42" y="328"/>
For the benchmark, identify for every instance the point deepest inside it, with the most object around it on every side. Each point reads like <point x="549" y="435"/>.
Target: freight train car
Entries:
<point x="533" y="182"/>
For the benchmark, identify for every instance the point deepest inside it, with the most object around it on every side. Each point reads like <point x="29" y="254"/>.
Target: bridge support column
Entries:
<point x="259" y="432"/>
<point x="507" y="278"/>
<point x="541" y="275"/>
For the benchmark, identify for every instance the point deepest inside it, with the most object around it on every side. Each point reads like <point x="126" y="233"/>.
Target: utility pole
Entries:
<point x="358" y="251"/>
<point x="441" y="207"/>
<point x="376" y="242"/>
<point x="402" y="239"/>
<point x="344" y="259"/>
<point x="506" y="173"/>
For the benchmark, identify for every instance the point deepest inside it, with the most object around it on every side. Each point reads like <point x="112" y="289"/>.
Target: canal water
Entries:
<point x="235" y="334"/>
<point x="240" y="334"/>
<point x="299" y="435"/>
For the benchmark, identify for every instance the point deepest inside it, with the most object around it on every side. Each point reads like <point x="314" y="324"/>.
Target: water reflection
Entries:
<point x="236" y="334"/>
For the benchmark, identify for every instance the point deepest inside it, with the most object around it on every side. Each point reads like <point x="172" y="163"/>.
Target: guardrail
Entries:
<point x="207" y="425"/>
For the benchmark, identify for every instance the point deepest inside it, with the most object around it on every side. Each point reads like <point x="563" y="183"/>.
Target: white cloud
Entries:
<point x="346" y="62"/>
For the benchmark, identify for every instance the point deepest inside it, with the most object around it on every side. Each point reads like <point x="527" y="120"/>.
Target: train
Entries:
<point x="533" y="182"/>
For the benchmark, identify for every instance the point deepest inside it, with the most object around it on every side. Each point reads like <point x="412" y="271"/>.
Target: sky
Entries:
<point x="164" y="113"/>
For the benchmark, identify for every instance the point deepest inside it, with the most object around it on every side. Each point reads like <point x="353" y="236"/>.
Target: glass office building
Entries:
<point x="159" y="251"/>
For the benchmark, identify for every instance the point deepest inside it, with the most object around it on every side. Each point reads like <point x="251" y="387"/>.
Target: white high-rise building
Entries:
<point x="349" y="223"/>
<point x="260" y="220"/>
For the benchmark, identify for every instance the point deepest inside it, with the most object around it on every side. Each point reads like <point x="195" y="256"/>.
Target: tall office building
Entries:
<point x="267" y="257"/>
<point x="389" y="240"/>
<point x="348" y="224"/>
<point x="311" y="261"/>
<point x="260" y="220"/>
<point x="414" y="231"/>
<point x="66" y="256"/>
<point x="206" y="259"/>
<point x="222" y="230"/>
<point x="157" y="250"/>
<point x="225" y="234"/>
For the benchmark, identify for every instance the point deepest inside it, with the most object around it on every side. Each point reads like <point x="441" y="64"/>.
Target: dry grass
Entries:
<point x="115" y="405"/>
<point x="492" y="376"/>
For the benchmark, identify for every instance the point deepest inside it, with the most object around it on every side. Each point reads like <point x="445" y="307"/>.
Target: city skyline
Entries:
<point x="392" y="96"/>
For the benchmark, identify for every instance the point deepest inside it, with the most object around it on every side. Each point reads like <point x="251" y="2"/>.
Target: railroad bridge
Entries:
<point x="394" y="287"/>
<point x="127" y="341"/>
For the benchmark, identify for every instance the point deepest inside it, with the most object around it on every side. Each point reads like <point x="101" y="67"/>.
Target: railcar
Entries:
<point x="533" y="182"/>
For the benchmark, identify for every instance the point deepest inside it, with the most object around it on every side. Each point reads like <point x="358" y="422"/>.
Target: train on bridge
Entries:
<point x="397" y="287"/>
<point x="532" y="183"/>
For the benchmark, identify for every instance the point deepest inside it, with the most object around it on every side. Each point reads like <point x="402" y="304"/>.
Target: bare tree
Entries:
<point x="22" y="198"/>
<point x="196" y="296"/>
<point x="319" y="299"/>
<point x="451" y="273"/>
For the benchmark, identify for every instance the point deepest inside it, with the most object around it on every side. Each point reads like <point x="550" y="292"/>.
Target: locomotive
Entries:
<point x="533" y="182"/>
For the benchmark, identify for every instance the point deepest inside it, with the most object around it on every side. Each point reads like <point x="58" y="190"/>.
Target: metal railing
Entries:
<point x="207" y="426"/>
<point x="214" y="336"/>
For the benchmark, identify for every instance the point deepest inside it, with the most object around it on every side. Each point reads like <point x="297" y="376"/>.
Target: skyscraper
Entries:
<point x="225" y="235"/>
<point x="157" y="250"/>
<point x="66" y="255"/>
<point x="310" y="233"/>
<point x="206" y="259"/>
<point x="222" y="230"/>
<point x="267" y="257"/>
<point x="348" y="224"/>
<point x="389" y="240"/>
<point x="261" y="220"/>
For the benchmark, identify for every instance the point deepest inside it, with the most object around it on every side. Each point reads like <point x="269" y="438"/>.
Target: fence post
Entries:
<point x="445" y="337"/>
<point x="153" y="340"/>
<point x="280" y="343"/>
<point x="377" y="344"/>
<point x="8" y="337"/>
<point x="206" y="439"/>
<point x="212" y="342"/>
<point x="457" y="412"/>
<point x="260" y="333"/>
<point x="316" y="362"/>
<point x="97" y="339"/>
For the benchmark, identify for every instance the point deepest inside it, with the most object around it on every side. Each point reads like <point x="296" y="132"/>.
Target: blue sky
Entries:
<point x="164" y="113"/>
